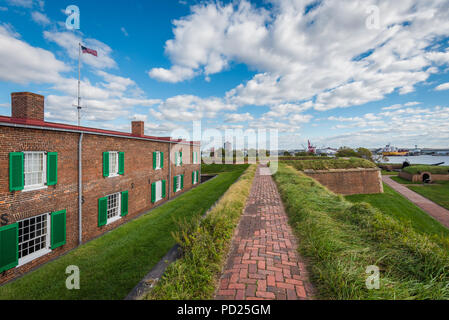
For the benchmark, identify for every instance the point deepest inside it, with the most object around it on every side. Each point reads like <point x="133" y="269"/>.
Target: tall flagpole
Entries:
<point x="79" y="84"/>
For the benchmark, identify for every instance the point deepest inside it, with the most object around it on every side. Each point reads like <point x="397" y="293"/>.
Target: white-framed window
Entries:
<point x="178" y="159"/>
<point x="195" y="177"/>
<point x="35" y="170"/>
<point x="113" y="163"/>
<point x="114" y="206"/>
<point x="158" y="191"/>
<point x="158" y="160"/>
<point x="34" y="238"/>
<point x="178" y="183"/>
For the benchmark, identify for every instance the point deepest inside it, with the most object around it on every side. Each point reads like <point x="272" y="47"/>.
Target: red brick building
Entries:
<point x="62" y="185"/>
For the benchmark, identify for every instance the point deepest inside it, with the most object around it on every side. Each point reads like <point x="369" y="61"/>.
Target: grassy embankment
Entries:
<point x="397" y="206"/>
<point x="438" y="192"/>
<point x="113" y="264"/>
<point x="219" y="168"/>
<point x="326" y="164"/>
<point x="205" y="244"/>
<point x="416" y="169"/>
<point x="403" y="181"/>
<point x="342" y="239"/>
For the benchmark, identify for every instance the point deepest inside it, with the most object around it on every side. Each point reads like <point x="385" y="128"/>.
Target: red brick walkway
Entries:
<point x="263" y="262"/>
<point x="439" y="213"/>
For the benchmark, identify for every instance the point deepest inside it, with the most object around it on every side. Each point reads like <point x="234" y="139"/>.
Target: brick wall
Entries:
<point x="349" y="181"/>
<point x="63" y="196"/>
<point x="137" y="180"/>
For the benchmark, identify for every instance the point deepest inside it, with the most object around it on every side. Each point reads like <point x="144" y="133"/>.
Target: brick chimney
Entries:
<point x="27" y="105"/>
<point x="138" y="128"/>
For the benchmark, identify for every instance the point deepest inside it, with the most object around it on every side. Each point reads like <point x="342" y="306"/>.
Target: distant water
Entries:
<point x="419" y="159"/>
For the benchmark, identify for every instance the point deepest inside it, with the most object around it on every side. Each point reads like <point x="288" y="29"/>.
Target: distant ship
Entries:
<point x="393" y="151"/>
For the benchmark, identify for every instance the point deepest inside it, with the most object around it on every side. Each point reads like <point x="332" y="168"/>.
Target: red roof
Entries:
<point x="52" y="125"/>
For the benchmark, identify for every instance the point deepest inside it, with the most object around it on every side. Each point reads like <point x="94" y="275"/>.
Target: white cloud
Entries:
<point x="22" y="63"/>
<point x="40" y="18"/>
<point x="21" y="3"/>
<point x="69" y="42"/>
<point x="238" y="117"/>
<point x="443" y="86"/>
<point x="309" y="57"/>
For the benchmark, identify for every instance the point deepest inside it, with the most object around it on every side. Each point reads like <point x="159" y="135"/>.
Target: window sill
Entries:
<point x="112" y="220"/>
<point x="33" y="256"/>
<point x="34" y="188"/>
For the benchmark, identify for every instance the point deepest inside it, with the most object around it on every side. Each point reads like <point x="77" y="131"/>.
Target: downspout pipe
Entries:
<point x="80" y="189"/>
<point x="169" y="170"/>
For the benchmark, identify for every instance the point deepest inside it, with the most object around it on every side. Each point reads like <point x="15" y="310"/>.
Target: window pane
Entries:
<point x="32" y="235"/>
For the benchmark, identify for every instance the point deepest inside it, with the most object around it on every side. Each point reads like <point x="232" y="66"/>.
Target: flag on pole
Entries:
<point x="90" y="51"/>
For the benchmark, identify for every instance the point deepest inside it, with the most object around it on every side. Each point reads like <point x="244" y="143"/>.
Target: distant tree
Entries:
<point x="302" y="154"/>
<point x="365" y="154"/>
<point x="347" y="152"/>
<point x="287" y="154"/>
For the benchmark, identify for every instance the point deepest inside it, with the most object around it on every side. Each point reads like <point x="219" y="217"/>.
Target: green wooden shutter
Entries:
<point x="105" y="164"/>
<point x="162" y="160"/>
<point x="52" y="168"/>
<point x="164" y="190"/>
<point x="16" y="180"/>
<point x="121" y="163"/>
<point x="125" y="198"/>
<point x="153" y="192"/>
<point x="154" y="160"/>
<point x="193" y="177"/>
<point x="58" y="229"/>
<point x="175" y="180"/>
<point x="102" y="211"/>
<point x="9" y="247"/>
<point x="180" y="158"/>
<point x="182" y="181"/>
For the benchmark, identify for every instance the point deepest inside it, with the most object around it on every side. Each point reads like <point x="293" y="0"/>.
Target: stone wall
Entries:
<point x="349" y="181"/>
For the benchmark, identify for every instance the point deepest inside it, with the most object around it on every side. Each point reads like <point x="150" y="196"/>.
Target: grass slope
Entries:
<point x="397" y="206"/>
<point x="219" y="168"/>
<point x="205" y="244"/>
<point x="342" y="239"/>
<point x="113" y="264"/>
<point x="326" y="164"/>
<point x="403" y="181"/>
<point x="438" y="193"/>
<point x="416" y="169"/>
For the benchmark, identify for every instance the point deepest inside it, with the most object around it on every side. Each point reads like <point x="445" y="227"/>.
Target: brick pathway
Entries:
<point x="263" y="262"/>
<point x="439" y="213"/>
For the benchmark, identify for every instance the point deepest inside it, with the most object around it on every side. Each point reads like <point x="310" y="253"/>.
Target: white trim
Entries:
<point x="39" y="186"/>
<point x="115" y="173"/>
<point x="42" y="252"/>
<point x="119" y="204"/>
<point x="158" y="160"/>
<point x="158" y="186"/>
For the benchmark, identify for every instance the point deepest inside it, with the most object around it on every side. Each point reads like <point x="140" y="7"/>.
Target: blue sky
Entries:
<point x="355" y="73"/>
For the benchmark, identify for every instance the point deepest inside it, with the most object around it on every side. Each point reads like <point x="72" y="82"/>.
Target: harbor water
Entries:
<point x="419" y="160"/>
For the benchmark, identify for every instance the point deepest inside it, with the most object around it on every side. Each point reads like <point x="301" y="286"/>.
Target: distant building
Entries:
<point x="327" y="151"/>
<point x="228" y="146"/>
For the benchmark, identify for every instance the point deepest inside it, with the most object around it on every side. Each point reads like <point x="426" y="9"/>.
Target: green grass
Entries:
<point x="395" y="205"/>
<point x="205" y="244"/>
<point x="403" y="181"/>
<point x="417" y="169"/>
<point x="341" y="239"/>
<point x="219" y="168"/>
<point x="113" y="264"/>
<point x="389" y="173"/>
<point x="438" y="193"/>
<point x="326" y="164"/>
